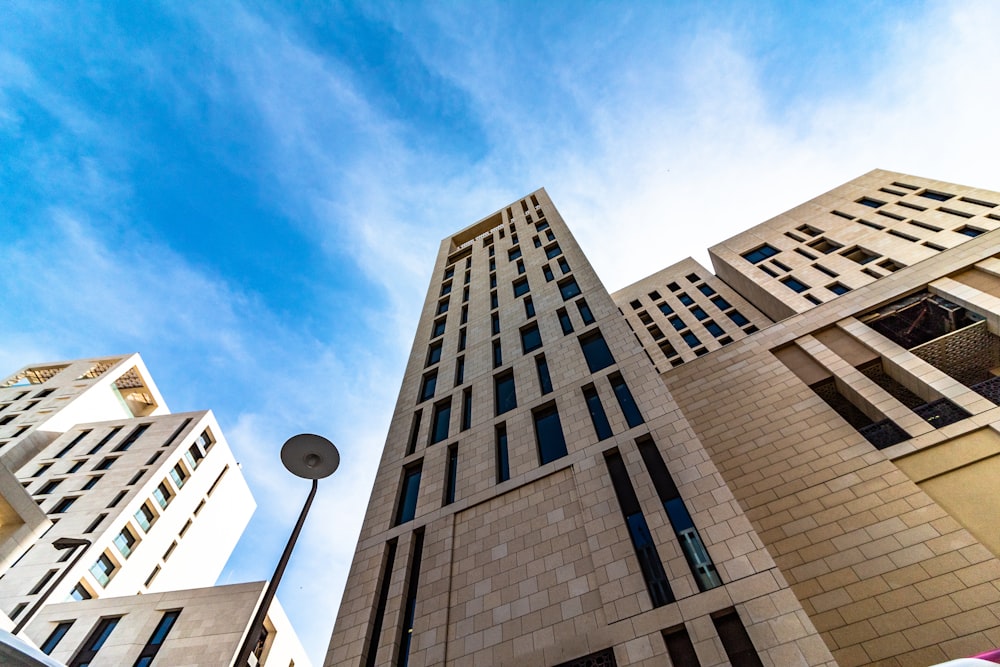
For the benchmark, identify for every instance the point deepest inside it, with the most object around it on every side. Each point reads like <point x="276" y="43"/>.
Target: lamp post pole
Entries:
<point x="61" y="543"/>
<point x="311" y="457"/>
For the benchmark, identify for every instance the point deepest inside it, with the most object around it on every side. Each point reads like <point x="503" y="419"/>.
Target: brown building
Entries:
<point x="697" y="470"/>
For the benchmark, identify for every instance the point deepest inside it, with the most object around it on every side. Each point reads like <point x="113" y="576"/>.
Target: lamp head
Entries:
<point x="310" y="456"/>
<point x="70" y="542"/>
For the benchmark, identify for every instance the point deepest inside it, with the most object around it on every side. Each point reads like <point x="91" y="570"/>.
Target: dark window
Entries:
<point x="503" y="460"/>
<point x="531" y="339"/>
<point x="564" y="321"/>
<point x="497" y="354"/>
<point x="64" y="505"/>
<point x="57" y="634"/>
<point x="407" y="507"/>
<point x="549" y="434"/>
<point x="631" y="411"/>
<point x="665" y="309"/>
<point x="838" y="288"/>
<point x="642" y="540"/>
<point x="568" y="288"/>
<point x="446" y="288"/>
<point x="459" y="370"/>
<point x="442" y="307"/>
<point x="677" y="323"/>
<point x="513" y="253"/>
<point x="720" y="303"/>
<point x="410" y="606"/>
<point x="685" y="298"/>
<point x="156" y="640"/>
<point x="493" y="280"/>
<point x="94" y="642"/>
<point x="690" y="339"/>
<point x="433" y="353"/>
<point x="495" y="323"/>
<point x="585" y="314"/>
<point x="48" y="487"/>
<point x="859" y="255"/>
<point x="383" y="597"/>
<point x="544" y="381"/>
<point x="505" y="393"/>
<point x="758" y="255"/>
<point x="687" y="534"/>
<point x="596" y="351"/>
<point x="679" y="647"/>
<point x="440" y="421"/>
<point x="466" y="409"/>
<point x="706" y="290"/>
<point x="714" y="329"/>
<point x="735" y="640"/>
<point x="873" y="203"/>
<point x="411" y="445"/>
<point x="462" y="339"/>
<point x="46" y="578"/>
<point x="451" y="475"/>
<point x="80" y="436"/>
<point x="465" y="315"/>
<point x="529" y="307"/>
<point x="563" y="265"/>
<point x="494" y="300"/>
<point x="553" y="251"/>
<point x="936" y="196"/>
<point x="428" y="385"/>
<point x="737" y="317"/>
<point x="89" y="484"/>
<point x="547" y="272"/>
<point x="449" y="272"/>
<point x="80" y="592"/>
<point x="698" y="312"/>
<point x="597" y="415"/>
<point x="794" y="285"/>
<point x="117" y="499"/>
<point x="162" y="495"/>
<point x="521" y="287"/>
<point x="537" y="241"/>
<point x="968" y="231"/>
<point x="542" y="225"/>
<point x="438" y="328"/>
<point x="520" y="267"/>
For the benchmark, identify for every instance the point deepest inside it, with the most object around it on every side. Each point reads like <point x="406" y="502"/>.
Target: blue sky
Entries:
<point x="251" y="196"/>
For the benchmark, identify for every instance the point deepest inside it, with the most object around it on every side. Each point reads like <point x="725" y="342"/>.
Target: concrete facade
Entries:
<point x="793" y="487"/>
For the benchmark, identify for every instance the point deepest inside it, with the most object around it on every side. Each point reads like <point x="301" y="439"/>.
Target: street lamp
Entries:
<point x="60" y="543"/>
<point x="310" y="457"/>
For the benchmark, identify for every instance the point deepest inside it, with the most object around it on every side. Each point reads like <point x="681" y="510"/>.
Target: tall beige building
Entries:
<point x="791" y="462"/>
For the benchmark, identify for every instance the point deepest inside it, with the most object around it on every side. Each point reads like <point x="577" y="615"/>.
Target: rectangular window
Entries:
<point x="411" y="445"/>
<point x="714" y="329"/>
<point x="440" y="421"/>
<point x="106" y="463"/>
<point x="642" y="540"/>
<point x="520" y="267"/>
<point x="410" y="605"/>
<point x="132" y="437"/>
<point x="79" y="464"/>
<point x="521" y="287"/>
<point x="504" y="392"/>
<point x="95" y="523"/>
<point x="679" y="647"/>
<point x="467" y="409"/>
<point x="597" y="414"/>
<point x="459" y="370"/>
<point x="46" y="578"/>
<point x="531" y="339"/>
<point x="564" y="322"/>
<point x="529" y="307"/>
<point x="513" y="253"/>
<point x="493" y="280"/>
<point x="464" y="318"/>
<point x="90" y="483"/>
<point x="103" y="569"/>
<point x="568" y="288"/>
<point x="407" y="507"/>
<point x="462" y="339"/>
<point x="156" y="640"/>
<point x="494" y="300"/>
<point x="162" y="495"/>
<point x="687" y="534"/>
<point x="690" y="339"/>
<point x="433" y="353"/>
<point x="563" y="265"/>
<point x="49" y="487"/>
<point x="442" y="306"/>
<point x="547" y="272"/>
<point x="125" y="541"/>
<point x="631" y="411"/>
<point x="451" y="475"/>
<point x="596" y="351"/>
<point x="64" y="505"/>
<point x="438" y="329"/>
<point x="120" y="496"/>
<point x="497" y="354"/>
<point x="495" y="323"/>
<point x="759" y="254"/>
<point x="735" y="639"/>
<point x="427" y="386"/>
<point x="544" y="381"/>
<point x="80" y="592"/>
<point x="549" y="434"/>
<point x="53" y="639"/>
<point x="179" y="475"/>
<point x="94" y="642"/>
<point x="42" y="469"/>
<point x="503" y="459"/>
<point x="585" y="314"/>
<point x="553" y="251"/>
